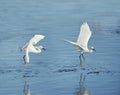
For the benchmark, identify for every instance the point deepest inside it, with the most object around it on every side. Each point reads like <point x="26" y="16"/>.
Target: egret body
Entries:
<point x="30" y="48"/>
<point x="82" y="42"/>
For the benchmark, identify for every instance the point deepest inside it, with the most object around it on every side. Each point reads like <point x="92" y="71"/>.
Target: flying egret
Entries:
<point x="30" y="48"/>
<point x="82" y="41"/>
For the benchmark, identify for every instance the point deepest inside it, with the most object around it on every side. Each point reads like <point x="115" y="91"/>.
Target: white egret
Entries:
<point x="30" y="48"/>
<point x="82" y="41"/>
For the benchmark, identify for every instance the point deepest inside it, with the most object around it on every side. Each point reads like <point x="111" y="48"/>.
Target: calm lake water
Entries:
<point x="57" y="70"/>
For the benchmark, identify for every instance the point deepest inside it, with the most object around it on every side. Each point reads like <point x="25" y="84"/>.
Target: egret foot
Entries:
<point x="25" y="65"/>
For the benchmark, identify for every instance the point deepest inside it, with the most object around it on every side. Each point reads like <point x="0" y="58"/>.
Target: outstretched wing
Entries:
<point x="36" y="39"/>
<point x="75" y="44"/>
<point x="24" y="47"/>
<point x="84" y="36"/>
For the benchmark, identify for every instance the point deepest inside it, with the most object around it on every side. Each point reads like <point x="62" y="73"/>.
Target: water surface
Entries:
<point x="57" y="71"/>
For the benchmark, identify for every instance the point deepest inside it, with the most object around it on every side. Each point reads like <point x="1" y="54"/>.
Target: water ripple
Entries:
<point x="67" y="70"/>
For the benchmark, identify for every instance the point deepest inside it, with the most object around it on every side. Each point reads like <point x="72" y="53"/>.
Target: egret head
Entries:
<point x="43" y="48"/>
<point x="92" y="49"/>
<point x="40" y="48"/>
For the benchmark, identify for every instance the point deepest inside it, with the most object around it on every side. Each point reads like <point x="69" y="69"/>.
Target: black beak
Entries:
<point x="94" y="49"/>
<point x="44" y="49"/>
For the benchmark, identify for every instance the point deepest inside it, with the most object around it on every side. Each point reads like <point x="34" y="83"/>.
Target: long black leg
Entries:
<point x="83" y="58"/>
<point x="80" y="59"/>
<point x="24" y="59"/>
<point x="25" y="63"/>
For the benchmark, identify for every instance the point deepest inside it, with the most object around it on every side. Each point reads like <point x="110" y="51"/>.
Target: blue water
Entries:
<point x="56" y="71"/>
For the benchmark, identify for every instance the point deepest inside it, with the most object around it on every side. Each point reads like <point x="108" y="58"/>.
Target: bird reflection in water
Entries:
<point x="26" y="89"/>
<point x="82" y="90"/>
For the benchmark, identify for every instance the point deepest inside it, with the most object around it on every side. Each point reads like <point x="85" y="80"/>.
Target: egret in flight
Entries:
<point x="82" y="41"/>
<point x="30" y="48"/>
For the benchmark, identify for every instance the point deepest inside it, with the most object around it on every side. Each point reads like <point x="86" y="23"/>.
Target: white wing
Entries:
<point x="84" y="36"/>
<point x="24" y="47"/>
<point x="73" y="43"/>
<point x="36" y="39"/>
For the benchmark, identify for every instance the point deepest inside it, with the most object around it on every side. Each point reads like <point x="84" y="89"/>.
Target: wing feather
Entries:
<point x="84" y="36"/>
<point x="24" y="47"/>
<point x="36" y="39"/>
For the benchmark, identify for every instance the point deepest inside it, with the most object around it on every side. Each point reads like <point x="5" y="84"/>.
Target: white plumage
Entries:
<point x="29" y="47"/>
<point x="82" y="42"/>
<point x="84" y="36"/>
